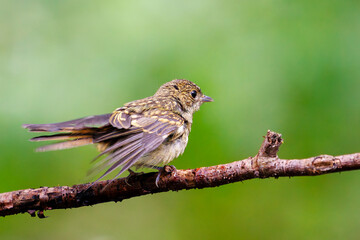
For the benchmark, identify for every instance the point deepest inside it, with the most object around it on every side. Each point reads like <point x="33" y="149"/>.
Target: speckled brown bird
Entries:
<point x="144" y="133"/>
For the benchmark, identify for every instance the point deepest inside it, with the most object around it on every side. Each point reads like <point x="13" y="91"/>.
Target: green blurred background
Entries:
<point x="288" y="66"/>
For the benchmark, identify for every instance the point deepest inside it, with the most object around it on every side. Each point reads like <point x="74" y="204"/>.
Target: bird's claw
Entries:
<point x="170" y="169"/>
<point x="167" y="169"/>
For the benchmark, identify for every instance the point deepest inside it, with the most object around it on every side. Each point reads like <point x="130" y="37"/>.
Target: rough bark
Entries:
<point x="264" y="165"/>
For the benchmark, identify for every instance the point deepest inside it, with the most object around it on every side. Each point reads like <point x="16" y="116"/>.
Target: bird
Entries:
<point x="145" y="133"/>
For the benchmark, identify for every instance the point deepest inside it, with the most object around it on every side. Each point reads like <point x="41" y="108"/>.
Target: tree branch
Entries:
<point x="264" y="165"/>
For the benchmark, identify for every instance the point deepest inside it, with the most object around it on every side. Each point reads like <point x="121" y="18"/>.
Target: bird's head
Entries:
<point x="187" y="93"/>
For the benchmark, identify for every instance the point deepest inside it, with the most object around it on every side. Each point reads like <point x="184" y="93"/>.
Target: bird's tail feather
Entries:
<point x="60" y="136"/>
<point x="69" y="126"/>
<point x="68" y="140"/>
<point x="74" y="133"/>
<point x="65" y="145"/>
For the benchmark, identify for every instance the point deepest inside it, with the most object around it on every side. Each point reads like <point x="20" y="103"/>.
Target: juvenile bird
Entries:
<point x="144" y="133"/>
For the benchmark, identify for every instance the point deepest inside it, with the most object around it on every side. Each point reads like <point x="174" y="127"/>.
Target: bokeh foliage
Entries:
<point x="288" y="66"/>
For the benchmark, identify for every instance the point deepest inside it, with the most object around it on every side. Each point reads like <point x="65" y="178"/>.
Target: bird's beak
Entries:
<point x="206" y="99"/>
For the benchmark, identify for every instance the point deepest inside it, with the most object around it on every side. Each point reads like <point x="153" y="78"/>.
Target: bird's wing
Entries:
<point x="122" y="118"/>
<point x="145" y="133"/>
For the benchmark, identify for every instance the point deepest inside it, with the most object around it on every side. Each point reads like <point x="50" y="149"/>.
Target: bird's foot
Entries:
<point x="167" y="169"/>
<point x="132" y="174"/>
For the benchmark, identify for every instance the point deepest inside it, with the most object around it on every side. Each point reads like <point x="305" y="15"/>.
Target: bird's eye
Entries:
<point x="193" y="93"/>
